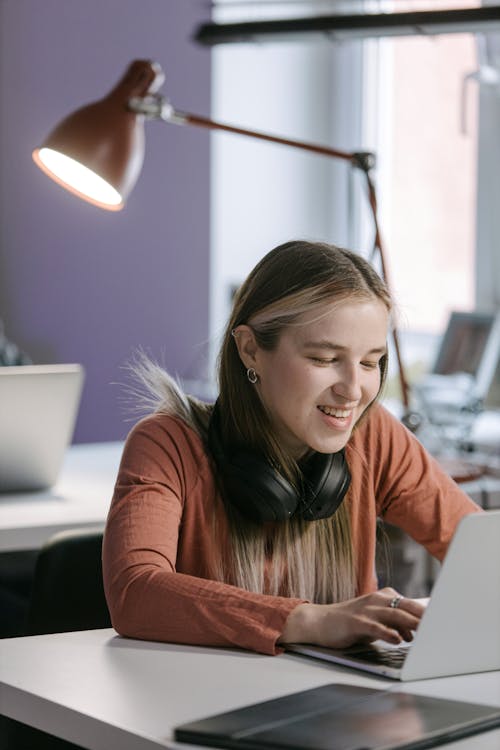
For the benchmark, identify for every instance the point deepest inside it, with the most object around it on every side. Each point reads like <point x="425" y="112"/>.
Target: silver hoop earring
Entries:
<point x="252" y="375"/>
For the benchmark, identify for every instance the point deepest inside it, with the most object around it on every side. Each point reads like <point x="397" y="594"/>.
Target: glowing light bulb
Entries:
<point x="78" y="178"/>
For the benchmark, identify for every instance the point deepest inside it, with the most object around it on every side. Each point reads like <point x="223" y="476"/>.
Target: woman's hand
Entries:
<point x="383" y="615"/>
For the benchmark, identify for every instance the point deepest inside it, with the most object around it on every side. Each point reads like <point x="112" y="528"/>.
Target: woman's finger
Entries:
<point x="397" y="618"/>
<point x="395" y="600"/>
<point x="412" y="606"/>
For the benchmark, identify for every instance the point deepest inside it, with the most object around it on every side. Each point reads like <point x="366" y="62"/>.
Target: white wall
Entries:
<point x="264" y="194"/>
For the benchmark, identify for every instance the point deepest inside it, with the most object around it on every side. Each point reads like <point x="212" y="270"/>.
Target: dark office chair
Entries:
<point x="67" y="594"/>
<point x="67" y="589"/>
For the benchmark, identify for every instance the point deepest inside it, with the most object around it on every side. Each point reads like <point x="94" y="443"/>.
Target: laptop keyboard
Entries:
<point x="389" y="657"/>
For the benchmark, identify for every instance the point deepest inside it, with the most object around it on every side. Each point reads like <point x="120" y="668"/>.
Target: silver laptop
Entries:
<point x="38" y="409"/>
<point x="459" y="632"/>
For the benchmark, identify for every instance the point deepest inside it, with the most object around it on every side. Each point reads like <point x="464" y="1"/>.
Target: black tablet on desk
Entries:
<point x="342" y="717"/>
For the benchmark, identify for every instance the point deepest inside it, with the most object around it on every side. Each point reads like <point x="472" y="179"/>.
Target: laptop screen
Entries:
<point x="39" y="406"/>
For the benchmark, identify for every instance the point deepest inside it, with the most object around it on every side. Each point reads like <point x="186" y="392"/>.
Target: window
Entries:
<point x="426" y="128"/>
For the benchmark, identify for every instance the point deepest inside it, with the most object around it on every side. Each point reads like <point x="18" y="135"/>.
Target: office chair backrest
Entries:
<point x="67" y="589"/>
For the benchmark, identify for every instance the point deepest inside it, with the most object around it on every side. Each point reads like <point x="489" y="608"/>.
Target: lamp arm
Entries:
<point x="158" y="107"/>
<point x="354" y="158"/>
<point x="155" y="106"/>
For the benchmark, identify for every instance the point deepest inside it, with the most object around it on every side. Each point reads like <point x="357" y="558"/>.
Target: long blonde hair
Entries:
<point x="315" y="559"/>
<point x="308" y="559"/>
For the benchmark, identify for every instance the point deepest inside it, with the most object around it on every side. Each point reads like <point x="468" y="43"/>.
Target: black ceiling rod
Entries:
<point x="340" y="27"/>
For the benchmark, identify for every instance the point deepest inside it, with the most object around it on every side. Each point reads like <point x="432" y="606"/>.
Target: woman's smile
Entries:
<point x="336" y="418"/>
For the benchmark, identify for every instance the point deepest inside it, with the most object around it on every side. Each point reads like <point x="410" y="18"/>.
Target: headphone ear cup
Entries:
<point x="327" y="479"/>
<point x="249" y="482"/>
<point x="256" y="489"/>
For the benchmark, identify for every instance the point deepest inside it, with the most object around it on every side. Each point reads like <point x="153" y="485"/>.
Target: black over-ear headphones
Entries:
<point x="261" y="493"/>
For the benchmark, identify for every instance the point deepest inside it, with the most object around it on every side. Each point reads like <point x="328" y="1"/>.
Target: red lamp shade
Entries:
<point x="97" y="151"/>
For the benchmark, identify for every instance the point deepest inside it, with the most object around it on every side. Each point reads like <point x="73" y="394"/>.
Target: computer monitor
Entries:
<point x="471" y="345"/>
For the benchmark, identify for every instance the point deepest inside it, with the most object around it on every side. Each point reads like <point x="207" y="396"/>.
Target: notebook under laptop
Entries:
<point x="338" y="717"/>
<point x="38" y="409"/>
<point x="459" y="632"/>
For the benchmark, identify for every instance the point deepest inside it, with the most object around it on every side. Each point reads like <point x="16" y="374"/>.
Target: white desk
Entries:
<point x="101" y="691"/>
<point x="80" y="498"/>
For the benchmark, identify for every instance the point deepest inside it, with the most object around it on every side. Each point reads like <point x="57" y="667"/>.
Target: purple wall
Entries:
<point x="78" y="284"/>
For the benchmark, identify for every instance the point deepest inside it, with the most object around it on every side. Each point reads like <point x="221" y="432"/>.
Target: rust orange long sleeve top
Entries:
<point x="158" y="549"/>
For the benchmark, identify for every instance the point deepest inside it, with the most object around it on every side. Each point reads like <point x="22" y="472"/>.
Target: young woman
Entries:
<point x="252" y="523"/>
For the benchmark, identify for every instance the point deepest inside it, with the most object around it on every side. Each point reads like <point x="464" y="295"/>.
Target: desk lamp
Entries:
<point x="97" y="154"/>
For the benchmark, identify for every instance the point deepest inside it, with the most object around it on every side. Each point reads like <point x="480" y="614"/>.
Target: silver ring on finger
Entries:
<point x="395" y="602"/>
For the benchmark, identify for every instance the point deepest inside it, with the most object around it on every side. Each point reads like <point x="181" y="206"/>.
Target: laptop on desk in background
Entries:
<point x="459" y="632"/>
<point x="38" y="409"/>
